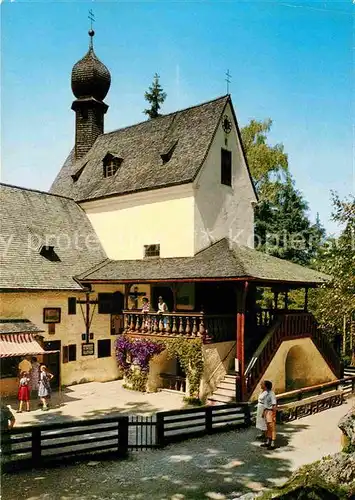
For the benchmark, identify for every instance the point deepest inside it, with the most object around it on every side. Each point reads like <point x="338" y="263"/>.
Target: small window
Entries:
<point x="51" y="328"/>
<point x="72" y="352"/>
<point x="49" y="253"/>
<point x="226" y="167"/>
<point x="111" y="164"/>
<point x="65" y="354"/>
<point x="104" y="348"/>
<point x="71" y="305"/>
<point x="151" y="250"/>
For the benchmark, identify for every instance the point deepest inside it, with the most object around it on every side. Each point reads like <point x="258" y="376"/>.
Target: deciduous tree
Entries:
<point x="336" y="300"/>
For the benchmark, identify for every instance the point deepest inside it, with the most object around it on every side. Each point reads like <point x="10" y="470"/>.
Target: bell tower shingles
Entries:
<point x="90" y="83"/>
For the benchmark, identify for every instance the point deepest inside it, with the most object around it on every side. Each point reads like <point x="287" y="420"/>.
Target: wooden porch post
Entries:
<point x="306" y="299"/>
<point x="240" y="363"/>
<point x="286" y="299"/>
<point x="127" y="288"/>
<point x="276" y="298"/>
<point x="174" y="289"/>
<point x="87" y="318"/>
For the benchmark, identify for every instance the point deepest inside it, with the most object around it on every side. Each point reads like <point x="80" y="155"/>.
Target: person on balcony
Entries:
<point x="146" y="305"/>
<point x="269" y="415"/>
<point x="162" y="309"/>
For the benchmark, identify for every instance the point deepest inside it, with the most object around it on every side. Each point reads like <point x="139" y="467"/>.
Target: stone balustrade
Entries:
<point x="171" y="324"/>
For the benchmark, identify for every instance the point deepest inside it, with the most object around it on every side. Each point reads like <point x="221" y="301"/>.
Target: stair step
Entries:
<point x="230" y="376"/>
<point x="220" y="391"/>
<point x="227" y="384"/>
<point x="221" y="399"/>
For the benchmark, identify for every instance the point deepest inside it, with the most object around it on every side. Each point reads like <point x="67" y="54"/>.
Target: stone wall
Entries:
<point x="299" y="363"/>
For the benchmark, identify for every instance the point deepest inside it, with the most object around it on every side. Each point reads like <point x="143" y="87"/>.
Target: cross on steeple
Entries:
<point x="91" y="16"/>
<point x="228" y="77"/>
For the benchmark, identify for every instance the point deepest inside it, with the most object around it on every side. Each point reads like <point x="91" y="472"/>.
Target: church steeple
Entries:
<point x="90" y="83"/>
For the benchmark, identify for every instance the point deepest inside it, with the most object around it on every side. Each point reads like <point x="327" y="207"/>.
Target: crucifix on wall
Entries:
<point x="134" y="296"/>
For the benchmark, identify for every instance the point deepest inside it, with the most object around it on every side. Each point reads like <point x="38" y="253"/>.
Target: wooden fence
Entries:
<point x="347" y="385"/>
<point x="40" y="445"/>
<point x="177" y="425"/>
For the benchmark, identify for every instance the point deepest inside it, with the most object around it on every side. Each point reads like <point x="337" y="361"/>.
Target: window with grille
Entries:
<point x="111" y="165"/>
<point x="226" y="167"/>
<point x="152" y="250"/>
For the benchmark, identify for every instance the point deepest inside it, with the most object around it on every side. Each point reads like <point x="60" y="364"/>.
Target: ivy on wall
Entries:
<point x="190" y="355"/>
<point x="141" y="351"/>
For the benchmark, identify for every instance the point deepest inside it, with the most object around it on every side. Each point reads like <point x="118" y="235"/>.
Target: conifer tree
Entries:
<point x="155" y="96"/>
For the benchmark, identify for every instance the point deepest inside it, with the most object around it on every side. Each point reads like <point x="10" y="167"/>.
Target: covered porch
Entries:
<point x="225" y="293"/>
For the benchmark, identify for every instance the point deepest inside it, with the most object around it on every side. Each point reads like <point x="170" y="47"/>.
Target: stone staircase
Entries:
<point x="225" y="391"/>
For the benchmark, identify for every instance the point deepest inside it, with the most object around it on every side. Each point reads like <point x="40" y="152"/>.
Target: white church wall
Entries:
<point x="125" y="224"/>
<point x="220" y="210"/>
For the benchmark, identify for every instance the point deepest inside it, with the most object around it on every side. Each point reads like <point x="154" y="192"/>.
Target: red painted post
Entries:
<point x="240" y="338"/>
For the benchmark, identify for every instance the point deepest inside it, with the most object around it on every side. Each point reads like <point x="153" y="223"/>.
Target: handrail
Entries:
<point x="289" y="325"/>
<point x="261" y="347"/>
<point x="155" y="313"/>
<point x="219" y="327"/>
<point x="311" y="388"/>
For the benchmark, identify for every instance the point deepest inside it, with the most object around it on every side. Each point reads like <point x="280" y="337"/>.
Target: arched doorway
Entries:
<point x="296" y="368"/>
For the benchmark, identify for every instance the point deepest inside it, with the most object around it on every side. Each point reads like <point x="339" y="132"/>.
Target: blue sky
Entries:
<point x="290" y="61"/>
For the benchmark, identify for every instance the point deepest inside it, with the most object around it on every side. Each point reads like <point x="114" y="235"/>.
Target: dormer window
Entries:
<point x="166" y="156"/>
<point x="49" y="253"/>
<point x="78" y="173"/>
<point x="111" y="164"/>
<point x="152" y="250"/>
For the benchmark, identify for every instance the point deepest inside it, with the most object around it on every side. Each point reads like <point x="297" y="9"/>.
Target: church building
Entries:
<point x="163" y="208"/>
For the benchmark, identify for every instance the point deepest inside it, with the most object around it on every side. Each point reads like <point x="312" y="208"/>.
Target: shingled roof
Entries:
<point x="31" y="220"/>
<point x="223" y="259"/>
<point x="183" y="138"/>
<point x="18" y="326"/>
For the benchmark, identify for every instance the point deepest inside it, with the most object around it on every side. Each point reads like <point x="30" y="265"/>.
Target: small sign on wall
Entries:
<point x="51" y="314"/>
<point x="88" y="349"/>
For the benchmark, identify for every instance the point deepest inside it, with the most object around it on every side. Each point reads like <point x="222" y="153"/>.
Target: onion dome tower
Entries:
<point x="90" y="83"/>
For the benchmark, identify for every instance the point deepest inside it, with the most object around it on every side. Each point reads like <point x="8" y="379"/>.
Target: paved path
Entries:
<point x="217" y="467"/>
<point x="95" y="399"/>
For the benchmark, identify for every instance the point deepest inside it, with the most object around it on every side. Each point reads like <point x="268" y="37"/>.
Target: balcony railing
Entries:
<point x="210" y="328"/>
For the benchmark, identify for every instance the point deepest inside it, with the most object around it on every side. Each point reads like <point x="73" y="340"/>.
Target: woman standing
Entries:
<point x="270" y="415"/>
<point x="260" y="420"/>
<point x="34" y="375"/>
<point x="24" y="392"/>
<point x="44" y="388"/>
